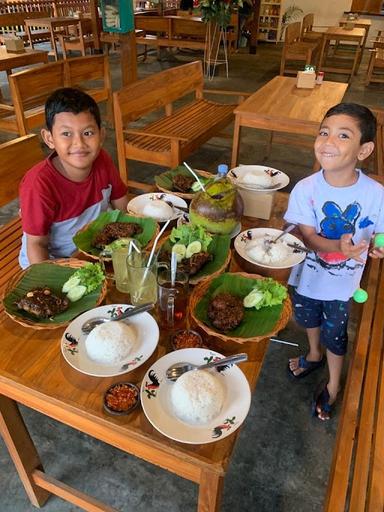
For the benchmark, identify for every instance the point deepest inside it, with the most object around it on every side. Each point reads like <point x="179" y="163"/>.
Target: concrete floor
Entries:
<point x="282" y="458"/>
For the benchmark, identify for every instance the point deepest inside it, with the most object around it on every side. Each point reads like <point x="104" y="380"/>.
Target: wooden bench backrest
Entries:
<point x="153" y="23"/>
<point x="188" y="27"/>
<point x="27" y="6"/>
<point x="16" y="157"/>
<point x="90" y="73"/>
<point x="68" y="7"/>
<point x="292" y="33"/>
<point x="307" y="23"/>
<point x="157" y="91"/>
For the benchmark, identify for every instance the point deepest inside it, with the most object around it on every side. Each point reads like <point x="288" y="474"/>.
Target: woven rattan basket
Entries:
<point x="35" y="324"/>
<point x="96" y="257"/>
<point x="185" y="195"/>
<point x="201" y="289"/>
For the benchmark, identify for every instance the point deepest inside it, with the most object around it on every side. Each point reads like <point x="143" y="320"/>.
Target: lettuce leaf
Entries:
<point x="188" y="233"/>
<point x="273" y="292"/>
<point x="91" y="276"/>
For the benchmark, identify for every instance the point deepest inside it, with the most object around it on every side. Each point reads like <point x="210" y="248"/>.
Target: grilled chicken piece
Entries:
<point x="42" y="303"/>
<point x="115" y="230"/>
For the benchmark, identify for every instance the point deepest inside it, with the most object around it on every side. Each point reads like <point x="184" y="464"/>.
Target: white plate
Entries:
<point x="73" y="342"/>
<point x="156" y="399"/>
<point x="279" y="178"/>
<point x="137" y="204"/>
<point x="246" y="237"/>
<point x="184" y="219"/>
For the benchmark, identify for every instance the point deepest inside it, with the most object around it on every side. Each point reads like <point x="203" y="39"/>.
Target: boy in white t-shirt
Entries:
<point x="337" y="210"/>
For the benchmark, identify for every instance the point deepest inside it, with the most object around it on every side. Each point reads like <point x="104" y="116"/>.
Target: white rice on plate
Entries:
<point x="276" y="253"/>
<point x="158" y="210"/>
<point x="110" y="343"/>
<point x="197" y="396"/>
<point x="257" y="179"/>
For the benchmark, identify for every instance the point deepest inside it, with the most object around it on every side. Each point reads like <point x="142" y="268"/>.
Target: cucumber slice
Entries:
<point x="252" y="299"/>
<point x="193" y="248"/>
<point x="180" y="250"/>
<point x="76" y="292"/>
<point x="196" y="187"/>
<point x="72" y="281"/>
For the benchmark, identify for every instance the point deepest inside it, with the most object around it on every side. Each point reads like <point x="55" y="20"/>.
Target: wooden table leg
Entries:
<point x="236" y="140"/>
<point x="21" y="449"/>
<point x="210" y="491"/>
<point x="53" y="43"/>
<point x="128" y="58"/>
<point x="321" y="57"/>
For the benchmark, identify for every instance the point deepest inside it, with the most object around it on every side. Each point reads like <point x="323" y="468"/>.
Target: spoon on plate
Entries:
<point x="178" y="369"/>
<point x="90" y="324"/>
<point x="270" y="241"/>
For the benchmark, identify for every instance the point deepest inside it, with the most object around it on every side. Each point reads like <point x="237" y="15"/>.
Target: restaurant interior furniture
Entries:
<point x="354" y="39"/>
<point x="296" y="50"/>
<point x="280" y="106"/>
<point x="169" y="140"/>
<point x="16" y="156"/>
<point x="80" y="37"/>
<point x="356" y="476"/>
<point x="14" y="23"/>
<point x="375" y="71"/>
<point x="379" y="143"/>
<point x="307" y="32"/>
<point x="31" y="87"/>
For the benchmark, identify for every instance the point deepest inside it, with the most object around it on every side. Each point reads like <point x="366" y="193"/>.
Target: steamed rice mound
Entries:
<point x="197" y="397"/>
<point x="257" y="179"/>
<point x="158" y="209"/>
<point x="110" y="343"/>
<point x="276" y="253"/>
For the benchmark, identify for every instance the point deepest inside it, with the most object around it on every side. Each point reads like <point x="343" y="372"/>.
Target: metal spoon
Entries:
<point x="268" y="243"/>
<point x="176" y="370"/>
<point x="90" y="324"/>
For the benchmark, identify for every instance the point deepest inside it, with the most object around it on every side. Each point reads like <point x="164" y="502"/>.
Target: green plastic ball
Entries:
<point x="379" y="240"/>
<point x="360" y="296"/>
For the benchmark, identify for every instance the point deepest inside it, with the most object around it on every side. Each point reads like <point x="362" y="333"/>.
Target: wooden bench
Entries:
<point x="13" y="23"/>
<point x="16" y="157"/>
<point x="30" y="89"/>
<point x="357" y="472"/>
<point x="171" y="31"/>
<point x="172" y="138"/>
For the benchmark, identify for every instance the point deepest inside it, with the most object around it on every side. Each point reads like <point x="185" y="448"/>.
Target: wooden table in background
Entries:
<point x="280" y="106"/>
<point x="34" y="373"/>
<point x="53" y="24"/>
<point x="11" y="60"/>
<point x="339" y="34"/>
<point x="364" y="23"/>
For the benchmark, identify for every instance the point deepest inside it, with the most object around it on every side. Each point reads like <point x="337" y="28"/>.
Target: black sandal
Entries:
<point x="321" y="405"/>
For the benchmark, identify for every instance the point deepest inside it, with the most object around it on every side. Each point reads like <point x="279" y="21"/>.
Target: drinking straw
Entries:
<point x="284" y="342"/>
<point x="195" y="175"/>
<point x="150" y="258"/>
<point x="134" y="246"/>
<point x="173" y="268"/>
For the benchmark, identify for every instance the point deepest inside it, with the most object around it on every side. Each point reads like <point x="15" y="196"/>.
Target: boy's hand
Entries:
<point x="377" y="252"/>
<point x="351" y="250"/>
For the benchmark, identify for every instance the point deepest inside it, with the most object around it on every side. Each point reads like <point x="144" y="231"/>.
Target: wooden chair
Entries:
<point x="173" y="137"/>
<point x="375" y="71"/>
<point x="16" y="157"/>
<point x="296" y="50"/>
<point x="30" y="89"/>
<point x="80" y="38"/>
<point x="307" y="32"/>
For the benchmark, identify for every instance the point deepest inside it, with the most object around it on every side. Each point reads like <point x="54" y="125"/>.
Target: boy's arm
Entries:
<point x="320" y="244"/>
<point x="120" y="204"/>
<point x="37" y="248"/>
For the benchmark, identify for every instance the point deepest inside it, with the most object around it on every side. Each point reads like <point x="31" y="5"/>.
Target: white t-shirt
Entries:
<point x="333" y="212"/>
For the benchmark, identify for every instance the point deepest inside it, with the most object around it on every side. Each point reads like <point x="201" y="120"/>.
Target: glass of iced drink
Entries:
<point x="172" y="299"/>
<point x="141" y="278"/>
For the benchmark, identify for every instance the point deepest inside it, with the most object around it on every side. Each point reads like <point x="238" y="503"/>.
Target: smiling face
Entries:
<point x="77" y="140"/>
<point x="338" y="145"/>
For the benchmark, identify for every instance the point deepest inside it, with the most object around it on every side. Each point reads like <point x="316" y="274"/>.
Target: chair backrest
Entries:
<point x="157" y="91"/>
<point x="292" y="33"/>
<point x="90" y="73"/>
<point x="153" y="24"/>
<point x="188" y="27"/>
<point x="307" y="23"/>
<point x="30" y="88"/>
<point x="14" y="22"/>
<point x="16" y="157"/>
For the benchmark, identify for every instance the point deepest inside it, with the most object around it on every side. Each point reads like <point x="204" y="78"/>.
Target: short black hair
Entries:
<point x="364" y="117"/>
<point x="71" y="100"/>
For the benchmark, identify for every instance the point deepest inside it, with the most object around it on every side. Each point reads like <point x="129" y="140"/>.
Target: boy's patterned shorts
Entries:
<point x="330" y="315"/>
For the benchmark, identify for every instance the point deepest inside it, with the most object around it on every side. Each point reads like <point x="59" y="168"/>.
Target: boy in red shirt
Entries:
<point x="73" y="185"/>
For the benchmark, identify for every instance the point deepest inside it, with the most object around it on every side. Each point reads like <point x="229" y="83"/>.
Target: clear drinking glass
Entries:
<point x="141" y="278"/>
<point x="172" y="299"/>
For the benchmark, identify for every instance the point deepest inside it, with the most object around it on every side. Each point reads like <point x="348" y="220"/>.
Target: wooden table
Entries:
<point x="34" y="373"/>
<point x="364" y="23"/>
<point x="339" y="34"/>
<point x="53" y="24"/>
<point x="9" y="61"/>
<point x="280" y="106"/>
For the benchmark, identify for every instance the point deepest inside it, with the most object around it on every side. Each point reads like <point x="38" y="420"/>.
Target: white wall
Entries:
<point x="327" y="12"/>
